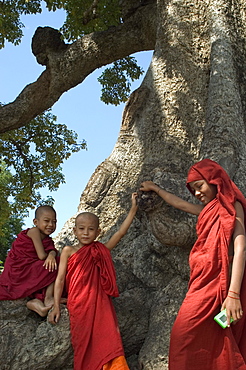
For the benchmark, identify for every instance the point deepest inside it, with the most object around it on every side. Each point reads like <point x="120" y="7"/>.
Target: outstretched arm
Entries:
<point x="232" y="302"/>
<point x="125" y="225"/>
<point x="172" y="199"/>
<point x="54" y="314"/>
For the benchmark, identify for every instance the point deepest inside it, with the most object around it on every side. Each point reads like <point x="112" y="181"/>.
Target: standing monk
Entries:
<point x="217" y="278"/>
<point x="90" y="278"/>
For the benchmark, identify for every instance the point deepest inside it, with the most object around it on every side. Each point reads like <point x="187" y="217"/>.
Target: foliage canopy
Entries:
<point x="31" y="156"/>
<point x="34" y="154"/>
<point x="115" y="80"/>
<point x="82" y="17"/>
<point x="10" y="223"/>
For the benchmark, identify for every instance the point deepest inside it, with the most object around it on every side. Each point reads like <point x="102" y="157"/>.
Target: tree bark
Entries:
<point x="68" y="65"/>
<point x="191" y="105"/>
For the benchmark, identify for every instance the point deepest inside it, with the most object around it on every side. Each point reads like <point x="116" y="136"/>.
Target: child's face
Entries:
<point x="86" y="229"/>
<point x="203" y="191"/>
<point x="46" y="222"/>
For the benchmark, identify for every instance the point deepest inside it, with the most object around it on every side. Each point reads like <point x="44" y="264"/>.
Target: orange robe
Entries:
<point x="197" y="341"/>
<point x="91" y="282"/>
<point x="118" y="363"/>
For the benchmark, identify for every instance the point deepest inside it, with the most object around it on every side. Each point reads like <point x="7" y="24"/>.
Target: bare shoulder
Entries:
<point x="33" y="231"/>
<point x="67" y="251"/>
<point x="239" y="209"/>
<point x="108" y="245"/>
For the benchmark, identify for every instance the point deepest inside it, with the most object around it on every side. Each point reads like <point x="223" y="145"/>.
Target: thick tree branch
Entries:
<point x="68" y="65"/>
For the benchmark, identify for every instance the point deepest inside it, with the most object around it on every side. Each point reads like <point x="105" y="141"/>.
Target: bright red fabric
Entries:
<point x="24" y="274"/>
<point x="197" y="341"/>
<point x="90" y="282"/>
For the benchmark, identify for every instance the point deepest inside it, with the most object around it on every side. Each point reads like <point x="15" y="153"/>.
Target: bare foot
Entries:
<point x="48" y="301"/>
<point x="37" y="306"/>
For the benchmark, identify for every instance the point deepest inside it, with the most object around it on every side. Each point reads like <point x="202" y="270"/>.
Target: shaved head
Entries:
<point x="39" y="211"/>
<point x="87" y="215"/>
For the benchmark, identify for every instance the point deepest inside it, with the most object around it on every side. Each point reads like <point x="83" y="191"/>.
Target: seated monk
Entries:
<point x="30" y="268"/>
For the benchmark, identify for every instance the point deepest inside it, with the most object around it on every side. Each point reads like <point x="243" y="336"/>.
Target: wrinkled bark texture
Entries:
<point x="191" y="105"/>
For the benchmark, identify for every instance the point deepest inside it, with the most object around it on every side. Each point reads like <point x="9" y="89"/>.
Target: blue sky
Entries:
<point x="80" y="109"/>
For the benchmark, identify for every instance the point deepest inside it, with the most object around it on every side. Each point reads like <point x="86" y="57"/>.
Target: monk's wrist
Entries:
<point x="156" y="188"/>
<point x="233" y="294"/>
<point x="52" y="253"/>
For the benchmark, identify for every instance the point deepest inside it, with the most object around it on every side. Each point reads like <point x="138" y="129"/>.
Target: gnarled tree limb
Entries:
<point x="68" y="65"/>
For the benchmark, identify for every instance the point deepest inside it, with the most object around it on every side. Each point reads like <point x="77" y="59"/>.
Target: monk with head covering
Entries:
<point x="217" y="274"/>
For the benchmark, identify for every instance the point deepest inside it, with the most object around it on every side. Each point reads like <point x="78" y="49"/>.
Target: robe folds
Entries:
<point x="197" y="341"/>
<point x="90" y="283"/>
<point x="24" y="274"/>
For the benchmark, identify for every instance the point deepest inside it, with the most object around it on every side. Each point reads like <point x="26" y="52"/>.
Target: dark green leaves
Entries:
<point x="10" y="24"/>
<point x="34" y="154"/>
<point x="116" y="80"/>
<point x="88" y="16"/>
<point x="82" y="17"/>
<point x="9" y="230"/>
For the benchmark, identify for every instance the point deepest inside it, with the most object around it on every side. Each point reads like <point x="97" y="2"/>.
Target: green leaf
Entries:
<point x="116" y="80"/>
<point x="32" y="158"/>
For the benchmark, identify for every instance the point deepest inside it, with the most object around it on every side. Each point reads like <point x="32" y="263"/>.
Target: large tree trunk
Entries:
<point x="190" y="105"/>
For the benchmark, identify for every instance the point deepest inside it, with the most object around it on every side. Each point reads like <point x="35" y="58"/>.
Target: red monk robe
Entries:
<point x="90" y="282"/>
<point x="24" y="274"/>
<point x="197" y="341"/>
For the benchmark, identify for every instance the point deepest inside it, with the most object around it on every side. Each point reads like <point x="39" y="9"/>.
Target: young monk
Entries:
<point x="217" y="278"/>
<point x="91" y="281"/>
<point x="30" y="268"/>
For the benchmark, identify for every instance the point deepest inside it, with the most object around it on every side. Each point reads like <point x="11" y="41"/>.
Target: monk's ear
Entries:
<point x="98" y="232"/>
<point x="35" y="221"/>
<point x="74" y="231"/>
